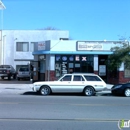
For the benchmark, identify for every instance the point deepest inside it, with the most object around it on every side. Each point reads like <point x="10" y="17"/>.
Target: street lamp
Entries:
<point x="2" y="7"/>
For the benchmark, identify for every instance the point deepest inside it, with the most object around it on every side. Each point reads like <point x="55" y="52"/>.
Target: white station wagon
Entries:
<point x="88" y="84"/>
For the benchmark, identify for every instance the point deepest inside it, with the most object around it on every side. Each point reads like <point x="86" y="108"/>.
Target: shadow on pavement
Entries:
<point x="70" y="94"/>
<point x="31" y="93"/>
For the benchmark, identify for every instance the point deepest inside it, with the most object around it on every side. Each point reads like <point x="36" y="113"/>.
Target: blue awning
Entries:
<point x="73" y="52"/>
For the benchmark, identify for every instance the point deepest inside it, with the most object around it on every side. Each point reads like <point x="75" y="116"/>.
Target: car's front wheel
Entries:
<point x="89" y="91"/>
<point x="45" y="90"/>
<point x="127" y="92"/>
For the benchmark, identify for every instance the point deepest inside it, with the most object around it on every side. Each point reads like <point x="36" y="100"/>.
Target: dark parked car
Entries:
<point x="121" y="89"/>
<point x="7" y="71"/>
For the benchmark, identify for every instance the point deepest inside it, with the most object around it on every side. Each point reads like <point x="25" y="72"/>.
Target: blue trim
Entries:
<point x="73" y="52"/>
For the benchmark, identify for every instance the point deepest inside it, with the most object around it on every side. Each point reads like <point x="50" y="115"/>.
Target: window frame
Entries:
<point x="96" y="77"/>
<point x="67" y="80"/>
<point x="20" y="48"/>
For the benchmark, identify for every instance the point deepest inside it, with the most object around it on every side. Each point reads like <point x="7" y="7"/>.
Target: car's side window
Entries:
<point x="66" y="78"/>
<point x="92" y="78"/>
<point x="78" y="78"/>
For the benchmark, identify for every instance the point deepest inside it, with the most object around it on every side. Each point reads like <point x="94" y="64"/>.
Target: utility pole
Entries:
<point x="2" y="7"/>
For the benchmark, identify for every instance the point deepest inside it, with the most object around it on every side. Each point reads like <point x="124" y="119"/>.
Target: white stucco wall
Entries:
<point x="70" y="45"/>
<point x="63" y="45"/>
<point x="12" y="36"/>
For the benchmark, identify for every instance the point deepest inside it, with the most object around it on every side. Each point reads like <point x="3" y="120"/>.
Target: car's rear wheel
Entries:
<point x="9" y="77"/>
<point x="45" y="90"/>
<point x="89" y="91"/>
<point x="127" y="92"/>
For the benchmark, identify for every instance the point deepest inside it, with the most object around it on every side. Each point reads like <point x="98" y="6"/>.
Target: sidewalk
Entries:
<point x="15" y="88"/>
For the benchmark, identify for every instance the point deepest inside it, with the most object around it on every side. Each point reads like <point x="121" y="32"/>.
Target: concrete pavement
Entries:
<point x="15" y="88"/>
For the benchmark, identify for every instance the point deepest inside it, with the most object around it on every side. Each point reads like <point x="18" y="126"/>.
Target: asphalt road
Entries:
<point x="62" y="112"/>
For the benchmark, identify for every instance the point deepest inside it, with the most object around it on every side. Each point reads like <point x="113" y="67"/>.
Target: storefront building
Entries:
<point x="17" y="45"/>
<point x="55" y="58"/>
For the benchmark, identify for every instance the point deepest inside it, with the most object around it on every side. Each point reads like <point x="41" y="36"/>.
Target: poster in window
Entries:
<point x="64" y="58"/>
<point x="102" y="70"/>
<point x="57" y="57"/>
<point x="64" y="68"/>
<point x="71" y="58"/>
<point x="57" y="69"/>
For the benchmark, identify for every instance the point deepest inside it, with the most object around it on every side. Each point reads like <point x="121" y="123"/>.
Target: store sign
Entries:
<point x="42" y="57"/>
<point x="77" y="58"/>
<point x="41" y="46"/>
<point x="80" y="58"/>
<point x="89" y="46"/>
<point x="84" y="58"/>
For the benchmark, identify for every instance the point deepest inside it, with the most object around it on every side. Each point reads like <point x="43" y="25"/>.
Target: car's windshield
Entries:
<point x="24" y="69"/>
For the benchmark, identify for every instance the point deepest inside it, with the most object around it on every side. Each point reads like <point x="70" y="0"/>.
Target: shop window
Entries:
<point x="126" y="72"/>
<point x="58" y="69"/>
<point x="71" y="68"/>
<point x="64" y="68"/>
<point x="73" y="64"/>
<point x="77" y="67"/>
<point x="22" y="46"/>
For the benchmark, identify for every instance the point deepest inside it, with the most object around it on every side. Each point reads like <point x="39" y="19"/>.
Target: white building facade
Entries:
<point x="17" y="45"/>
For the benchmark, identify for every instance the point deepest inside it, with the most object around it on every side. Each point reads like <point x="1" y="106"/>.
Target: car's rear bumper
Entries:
<point x="21" y="76"/>
<point x="4" y="75"/>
